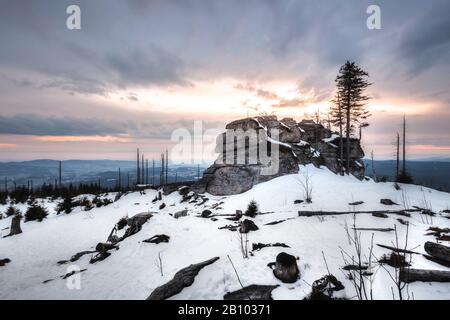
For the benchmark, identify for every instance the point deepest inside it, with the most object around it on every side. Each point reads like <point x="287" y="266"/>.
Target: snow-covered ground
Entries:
<point x="132" y="271"/>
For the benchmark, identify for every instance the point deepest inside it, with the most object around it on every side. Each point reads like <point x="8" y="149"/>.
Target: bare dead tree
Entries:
<point x="403" y="256"/>
<point x="359" y="272"/>
<point x="307" y="186"/>
<point x="243" y="242"/>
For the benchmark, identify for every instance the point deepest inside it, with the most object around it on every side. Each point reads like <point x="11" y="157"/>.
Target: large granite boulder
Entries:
<point x="245" y="151"/>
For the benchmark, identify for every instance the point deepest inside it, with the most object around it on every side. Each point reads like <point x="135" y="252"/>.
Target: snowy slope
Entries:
<point x="132" y="272"/>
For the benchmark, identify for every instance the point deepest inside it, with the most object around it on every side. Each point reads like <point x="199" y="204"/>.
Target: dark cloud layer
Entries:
<point x="30" y="124"/>
<point x="145" y="43"/>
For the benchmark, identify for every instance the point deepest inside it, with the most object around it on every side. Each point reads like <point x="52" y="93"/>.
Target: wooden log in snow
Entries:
<point x="397" y="249"/>
<point x="253" y="292"/>
<point x="374" y="229"/>
<point x="438" y="251"/>
<point x="409" y="275"/>
<point x="437" y="260"/>
<point x="334" y="213"/>
<point x="183" y="278"/>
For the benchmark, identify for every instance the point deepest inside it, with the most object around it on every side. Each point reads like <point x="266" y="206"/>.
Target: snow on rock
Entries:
<point x="134" y="270"/>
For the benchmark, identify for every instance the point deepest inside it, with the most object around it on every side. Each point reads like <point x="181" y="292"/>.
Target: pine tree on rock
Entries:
<point x="252" y="209"/>
<point x="351" y="82"/>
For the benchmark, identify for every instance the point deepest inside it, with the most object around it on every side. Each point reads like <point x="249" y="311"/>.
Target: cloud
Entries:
<point x="131" y="126"/>
<point x="8" y="145"/>
<point x="30" y="124"/>
<point x="289" y="103"/>
<point x="426" y="41"/>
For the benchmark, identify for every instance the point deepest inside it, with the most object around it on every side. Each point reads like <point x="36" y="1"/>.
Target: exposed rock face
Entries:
<point x="249" y="147"/>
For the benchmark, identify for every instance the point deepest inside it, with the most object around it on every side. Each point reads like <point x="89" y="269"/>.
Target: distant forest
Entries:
<point x="105" y="172"/>
<point x="433" y="174"/>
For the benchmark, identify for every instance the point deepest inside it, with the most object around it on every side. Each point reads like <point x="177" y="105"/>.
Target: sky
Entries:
<point x="138" y="70"/>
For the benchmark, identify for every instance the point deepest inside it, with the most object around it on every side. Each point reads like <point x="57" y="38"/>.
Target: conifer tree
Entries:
<point x="351" y="83"/>
<point x="35" y="212"/>
<point x="252" y="209"/>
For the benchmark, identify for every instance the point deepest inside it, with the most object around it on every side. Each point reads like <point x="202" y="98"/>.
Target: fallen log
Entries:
<point x="100" y="257"/>
<point x="103" y="247"/>
<point x="380" y="215"/>
<point x="375" y="229"/>
<point x="277" y="222"/>
<point x="388" y="202"/>
<point x="253" y="292"/>
<point x="274" y="222"/>
<point x="72" y="273"/>
<point x="355" y="267"/>
<point x="3" y="262"/>
<point x="396" y="249"/>
<point x="334" y="213"/>
<point x="158" y="239"/>
<point x="438" y="251"/>
<point x="229" y="227"/>
<point x="437" y="260"/>
<point x="183" y="278"/>
<point x="258" y="246"/>
<point x="78" y="255"/>
<point x="409" y="275"/>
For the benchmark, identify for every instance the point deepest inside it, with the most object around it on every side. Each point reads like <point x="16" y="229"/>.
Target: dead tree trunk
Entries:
<point x="409" y="275"/>
<point x="286" y="268"/>
<point x="15" y="226"/>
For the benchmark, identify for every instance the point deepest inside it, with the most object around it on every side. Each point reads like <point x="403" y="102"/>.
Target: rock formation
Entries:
<point x="241" y="163"/>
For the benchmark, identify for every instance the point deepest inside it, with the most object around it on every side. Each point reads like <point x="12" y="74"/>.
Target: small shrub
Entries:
<point x="87" y="204"/>
<point x="101" y="202"/>
<point x="31" y="200"/>
<point x="35" y="212"/>
<point x="11" y="211"/>
<point x="252" y="209"/>
<point x="107" y="201"/>
<point x="65" y="206"/>
<point x="404" y="177"/>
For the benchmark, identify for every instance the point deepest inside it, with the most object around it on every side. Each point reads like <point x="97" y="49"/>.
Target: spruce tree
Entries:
<point x="35" y="212"/>
<point x="252" y="209"/>
<point x="66" y="205"/>
<point x="351" y="84"/>
<point x="11" y="211"/>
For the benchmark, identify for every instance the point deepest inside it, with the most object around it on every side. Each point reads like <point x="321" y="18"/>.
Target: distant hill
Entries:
<point x="434" y="174"/>
<point x="84" y="171"/>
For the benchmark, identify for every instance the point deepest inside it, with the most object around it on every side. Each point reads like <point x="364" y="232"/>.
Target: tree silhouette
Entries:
<point x="351" y="82"/>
